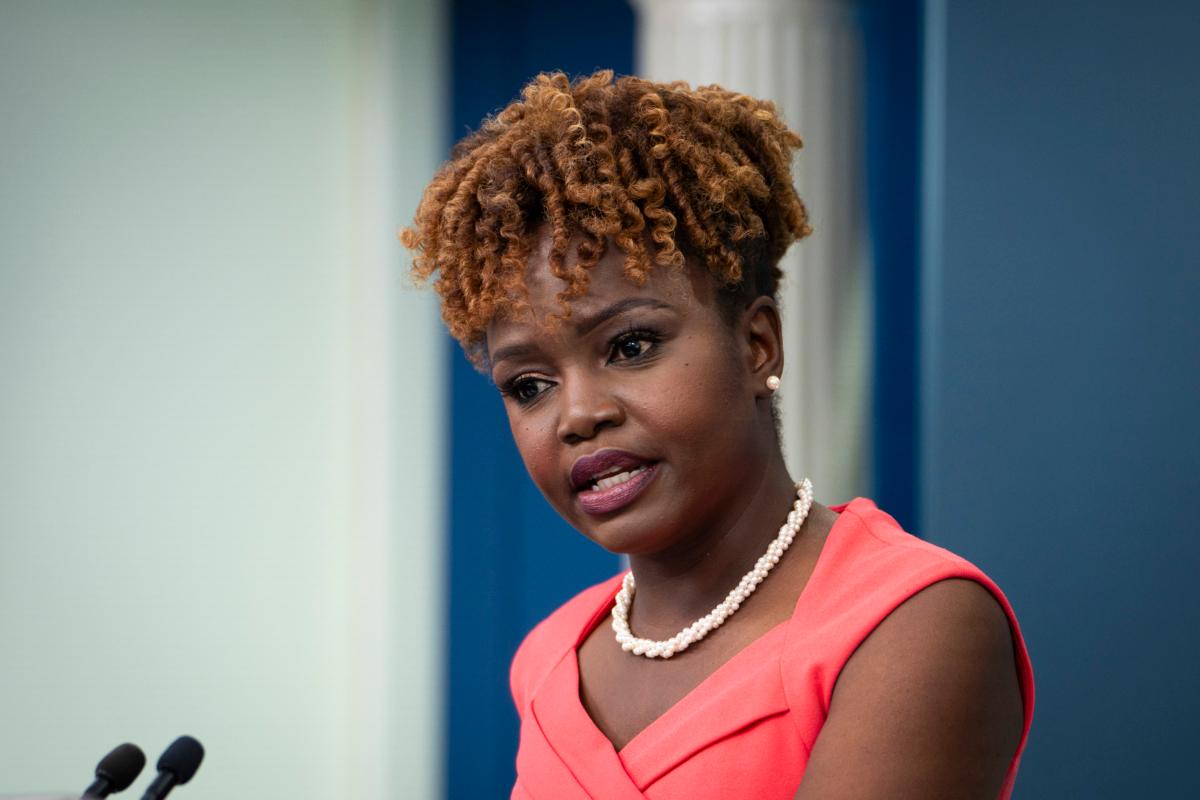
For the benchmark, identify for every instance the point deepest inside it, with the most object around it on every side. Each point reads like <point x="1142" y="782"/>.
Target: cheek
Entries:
<point x="535" y="439"/>
<point x="696" y="396"/>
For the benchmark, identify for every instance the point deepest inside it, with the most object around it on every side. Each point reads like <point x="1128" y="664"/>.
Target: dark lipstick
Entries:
<point x="588" y="470"/>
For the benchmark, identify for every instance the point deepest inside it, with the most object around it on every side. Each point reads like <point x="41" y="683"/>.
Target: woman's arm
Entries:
<point x="929" y="706"/>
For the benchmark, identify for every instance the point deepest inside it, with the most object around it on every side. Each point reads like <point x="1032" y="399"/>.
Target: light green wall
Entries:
<point x="219" y="412"/>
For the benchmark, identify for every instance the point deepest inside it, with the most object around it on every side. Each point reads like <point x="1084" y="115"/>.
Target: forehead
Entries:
<point x="688" y="289"/>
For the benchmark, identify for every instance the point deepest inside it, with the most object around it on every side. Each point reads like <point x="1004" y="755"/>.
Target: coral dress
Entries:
<point x="747" y="729"/>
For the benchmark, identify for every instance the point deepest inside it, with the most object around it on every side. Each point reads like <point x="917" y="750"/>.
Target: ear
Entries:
<point x="763" y="335"/>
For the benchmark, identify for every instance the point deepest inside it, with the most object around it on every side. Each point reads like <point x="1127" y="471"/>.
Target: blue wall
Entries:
<point x="1052" y="323"/>
<point x="512" y="559"/>
<point x="1062" y="365"/>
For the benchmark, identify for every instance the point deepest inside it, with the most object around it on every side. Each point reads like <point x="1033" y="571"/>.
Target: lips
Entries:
<point x="587" y="469"/>
<point x="610" y="479"/>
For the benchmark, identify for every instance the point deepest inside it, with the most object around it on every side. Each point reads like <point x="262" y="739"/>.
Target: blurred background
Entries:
<point x="250" y="491"/>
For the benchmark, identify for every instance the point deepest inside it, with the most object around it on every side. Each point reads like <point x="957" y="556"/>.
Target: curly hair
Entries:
<point x="662" y="170"/>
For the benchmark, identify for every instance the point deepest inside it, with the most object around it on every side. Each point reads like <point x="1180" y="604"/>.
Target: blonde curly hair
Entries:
<point x="661" y="169"/>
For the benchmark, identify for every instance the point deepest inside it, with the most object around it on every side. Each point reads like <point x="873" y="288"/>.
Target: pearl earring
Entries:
<point x="773" y="383"/>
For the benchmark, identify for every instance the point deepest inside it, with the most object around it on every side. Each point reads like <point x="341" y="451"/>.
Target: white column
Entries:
<point x="806" y="56"/>
<point x="395" y="399"/>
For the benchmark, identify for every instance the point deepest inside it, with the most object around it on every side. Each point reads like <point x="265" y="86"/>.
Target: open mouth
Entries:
<point x="608" y="480"/>
<point x="615" y="477"/>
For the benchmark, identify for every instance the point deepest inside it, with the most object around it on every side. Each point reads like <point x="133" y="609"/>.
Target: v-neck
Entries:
<point x="647" y="750"/>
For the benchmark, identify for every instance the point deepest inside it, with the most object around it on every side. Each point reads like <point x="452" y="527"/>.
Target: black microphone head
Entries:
<point x="182" y="758"/>
<point x="121" y="766"/>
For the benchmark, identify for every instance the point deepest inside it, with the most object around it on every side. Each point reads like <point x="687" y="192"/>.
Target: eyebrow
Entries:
<point x="583" y="325"/>
<point x="512" y="351"/>
<point x="589" y="322"/>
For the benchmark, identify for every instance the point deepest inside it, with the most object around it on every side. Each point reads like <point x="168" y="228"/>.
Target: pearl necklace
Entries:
<point x="732" y="602"/>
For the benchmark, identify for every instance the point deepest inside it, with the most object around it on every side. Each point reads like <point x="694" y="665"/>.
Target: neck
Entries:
<point x="677" y="586"/>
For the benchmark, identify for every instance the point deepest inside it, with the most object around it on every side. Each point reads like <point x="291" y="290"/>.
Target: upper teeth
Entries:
<point x="619" y="478"/>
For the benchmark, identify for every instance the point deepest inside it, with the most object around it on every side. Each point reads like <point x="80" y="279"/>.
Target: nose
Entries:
<point x="587" y="407"/>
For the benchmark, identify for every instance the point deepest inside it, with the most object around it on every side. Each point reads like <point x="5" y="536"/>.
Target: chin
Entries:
<point x="621" y="543"/>
<point x="627" y="534"/>
<point x="644" y="526"/>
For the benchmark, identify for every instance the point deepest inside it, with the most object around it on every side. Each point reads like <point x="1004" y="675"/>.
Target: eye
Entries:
<point x="525" y="388"/>
<point x="632" y="345"/>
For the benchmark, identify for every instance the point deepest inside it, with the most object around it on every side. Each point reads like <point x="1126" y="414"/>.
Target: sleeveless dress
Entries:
<point x="748" y="728"/>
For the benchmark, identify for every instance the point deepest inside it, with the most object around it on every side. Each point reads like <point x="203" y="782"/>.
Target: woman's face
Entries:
<point x="641" y="416"/>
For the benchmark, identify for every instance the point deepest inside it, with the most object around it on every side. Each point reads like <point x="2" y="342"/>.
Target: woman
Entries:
<point x="608" y="251"/>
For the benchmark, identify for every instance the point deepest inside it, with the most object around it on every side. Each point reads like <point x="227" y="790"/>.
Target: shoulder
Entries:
<point x="921" y="589"/>
<point x="951" y="629"/>
<point x="932" y="696"/>
<point x="554" y="636"/>
<point x="919" y="664"/>
<point x="868" y="567"/>
<point x="949" y="643"/>
<point x="875" y="534"/>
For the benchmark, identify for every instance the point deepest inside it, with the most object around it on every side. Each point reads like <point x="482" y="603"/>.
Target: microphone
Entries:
<point x="116" y="771"/>
<point x="176" y="766"/>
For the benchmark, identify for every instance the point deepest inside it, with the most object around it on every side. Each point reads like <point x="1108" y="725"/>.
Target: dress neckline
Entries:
<point x="710" y="685"/>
